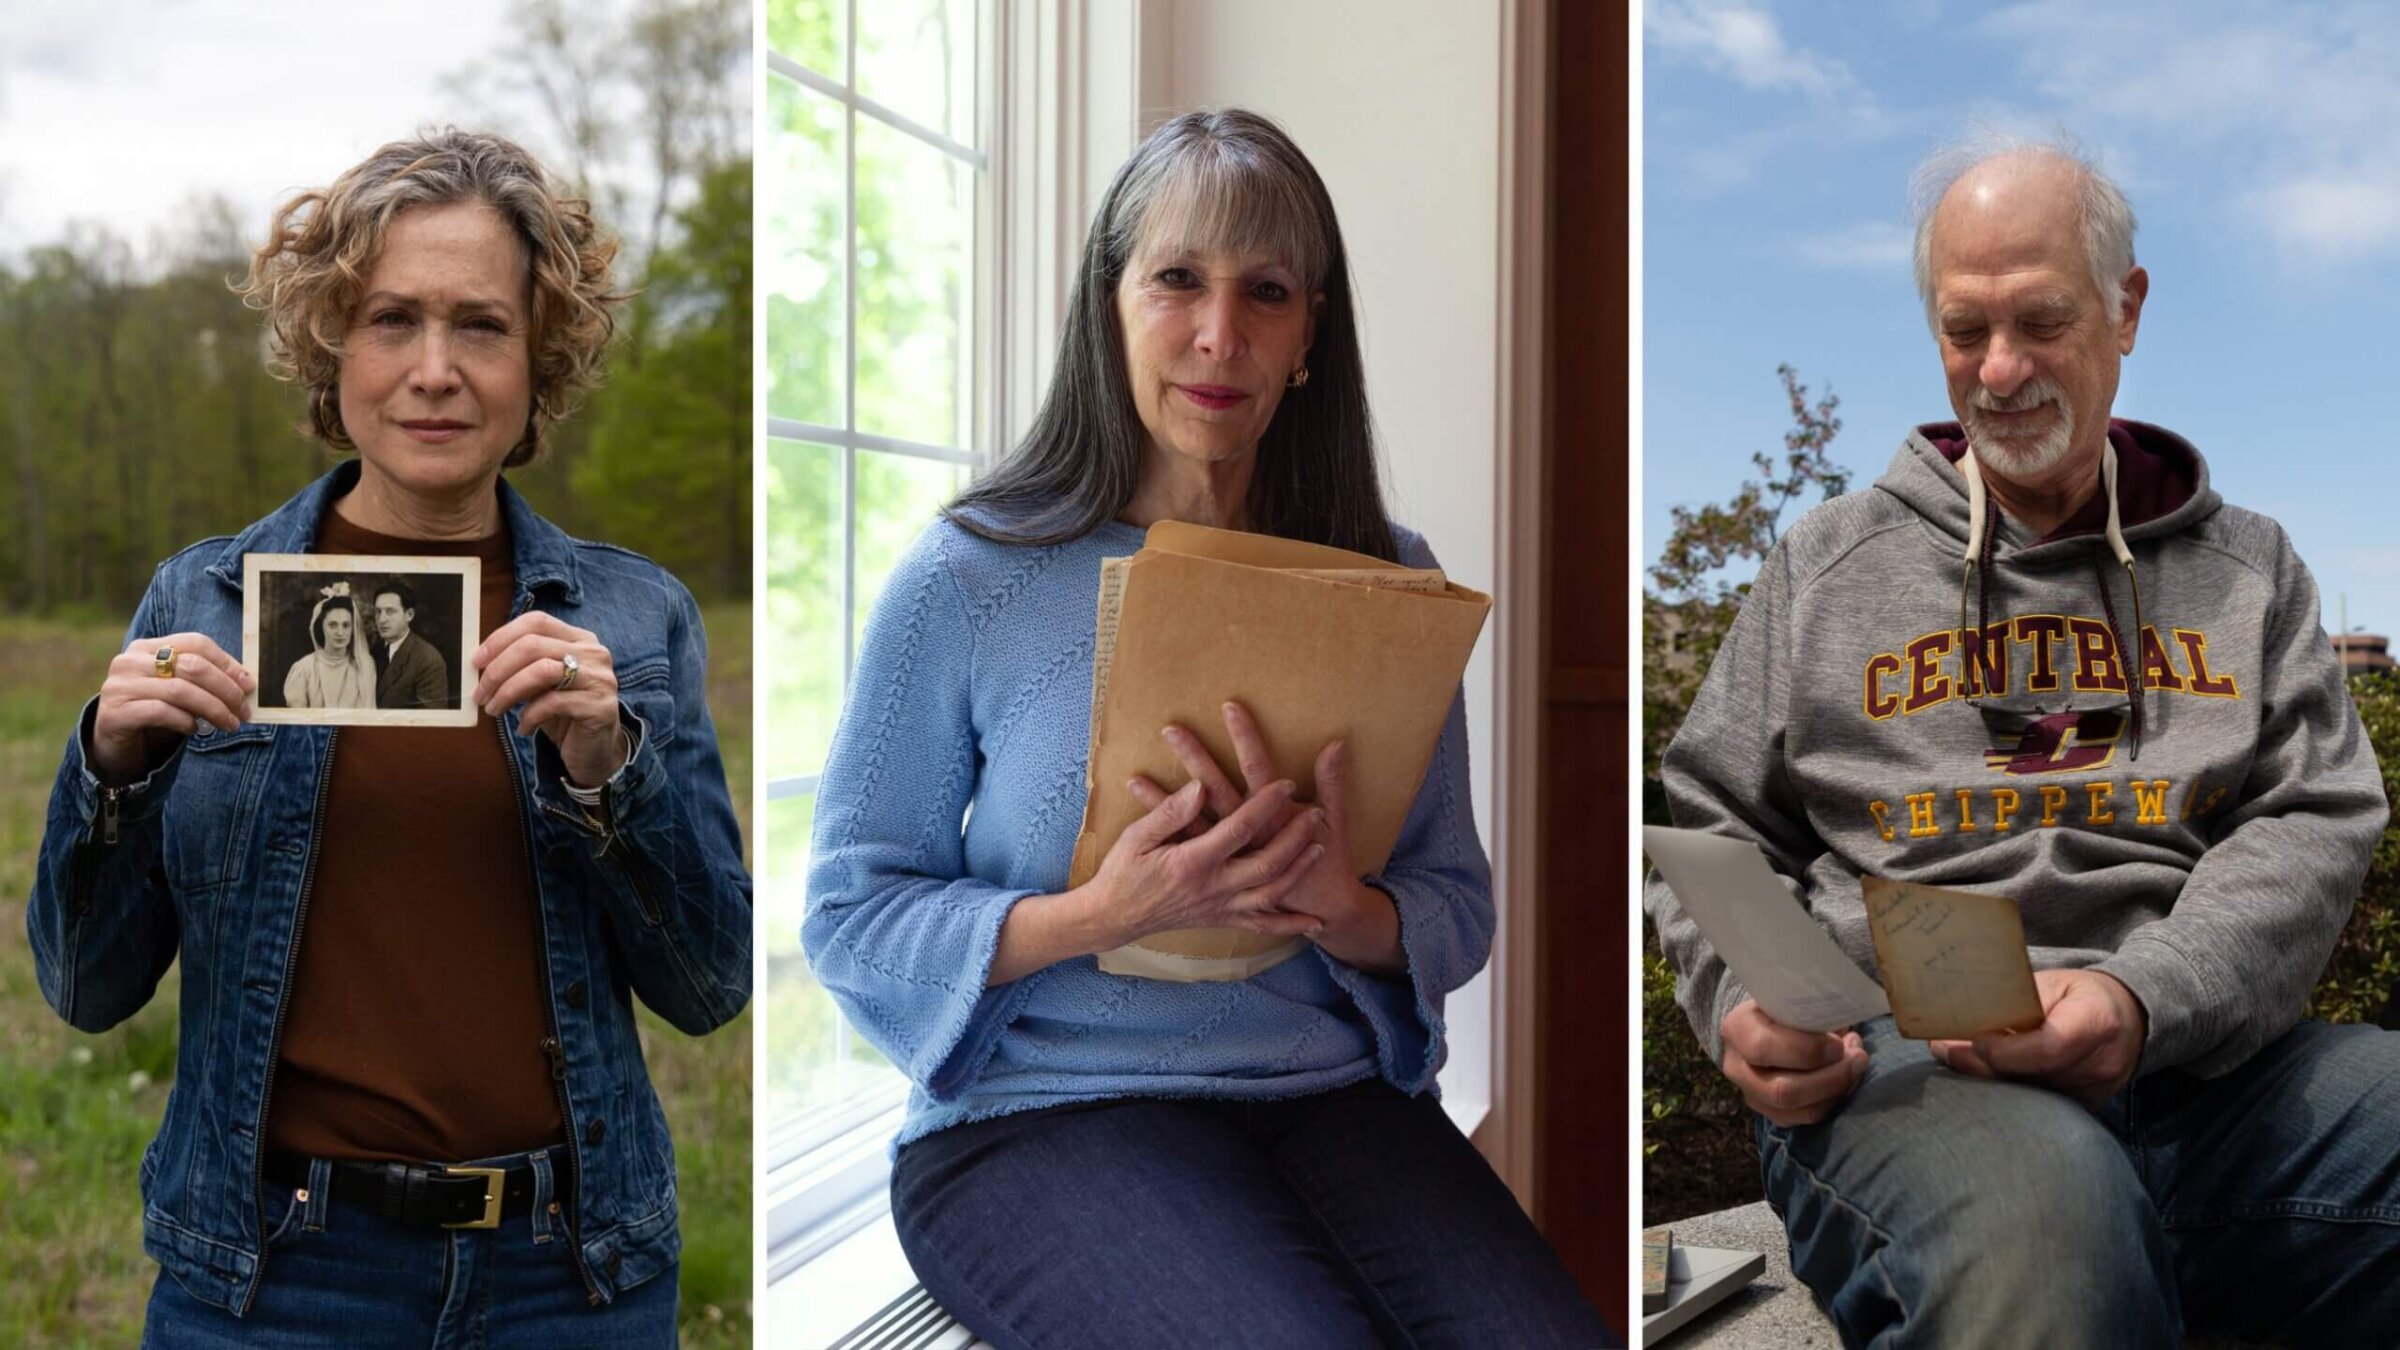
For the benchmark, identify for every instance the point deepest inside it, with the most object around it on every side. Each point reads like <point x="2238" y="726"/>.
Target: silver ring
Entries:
<point x="574" y="668"/>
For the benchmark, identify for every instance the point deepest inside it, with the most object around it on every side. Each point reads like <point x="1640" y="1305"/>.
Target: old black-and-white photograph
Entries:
<point x="351" y="640"/>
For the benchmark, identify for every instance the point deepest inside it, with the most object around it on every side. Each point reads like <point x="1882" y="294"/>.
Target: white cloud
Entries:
<point x="2289" y="115"/>
<point x="2331" y="216"/>
<point x="125" y="112"/>
<point x="1874" y="245"/>
<point x="1743" y="42"/>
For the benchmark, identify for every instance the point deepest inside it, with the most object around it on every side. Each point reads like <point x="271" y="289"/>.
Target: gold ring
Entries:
<point x="163" y="661"/>
<point x="566" y="679"/>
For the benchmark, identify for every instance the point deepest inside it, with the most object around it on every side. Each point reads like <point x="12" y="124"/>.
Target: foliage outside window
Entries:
<point x="870" y="170"/>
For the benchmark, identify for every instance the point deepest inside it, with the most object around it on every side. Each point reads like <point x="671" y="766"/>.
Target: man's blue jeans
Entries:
<point x="1353" y="1218"/>
<point x="1938" y="1209"/>
<point x="341" y="1275"/>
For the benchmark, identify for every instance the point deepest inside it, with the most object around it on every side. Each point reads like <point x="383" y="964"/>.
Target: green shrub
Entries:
<point x="1678" y="1082"/>
<point x="2357" y="985"/>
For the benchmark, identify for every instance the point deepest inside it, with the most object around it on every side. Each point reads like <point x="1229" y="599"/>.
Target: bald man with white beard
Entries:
<point x="2042" y="658"/>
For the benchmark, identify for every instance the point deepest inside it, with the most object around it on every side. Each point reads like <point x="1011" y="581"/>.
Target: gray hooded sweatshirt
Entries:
<point x="2201" y="842"/>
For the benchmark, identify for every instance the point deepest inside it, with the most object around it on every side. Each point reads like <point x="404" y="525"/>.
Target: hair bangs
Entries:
<point x="1224" y="197"/>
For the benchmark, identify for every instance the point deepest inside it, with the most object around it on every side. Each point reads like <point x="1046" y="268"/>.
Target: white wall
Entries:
<point x="1398" y="104"/>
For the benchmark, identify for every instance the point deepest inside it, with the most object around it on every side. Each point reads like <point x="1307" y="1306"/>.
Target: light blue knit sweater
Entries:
<point x="955" y="789"/>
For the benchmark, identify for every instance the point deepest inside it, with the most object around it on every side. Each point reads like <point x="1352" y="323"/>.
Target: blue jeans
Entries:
<point x="1937" y="1209"/>
<point x="1357" y="1217"/>
<point x="341" y="1275"/>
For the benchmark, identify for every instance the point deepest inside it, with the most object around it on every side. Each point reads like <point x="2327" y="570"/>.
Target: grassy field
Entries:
<point x="76" y="1110"/>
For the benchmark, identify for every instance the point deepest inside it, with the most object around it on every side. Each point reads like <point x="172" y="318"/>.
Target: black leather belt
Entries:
<point x="426" y="1196"/>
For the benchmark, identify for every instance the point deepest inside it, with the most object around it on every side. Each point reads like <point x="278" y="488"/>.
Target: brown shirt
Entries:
<point x="415" y="1023"/>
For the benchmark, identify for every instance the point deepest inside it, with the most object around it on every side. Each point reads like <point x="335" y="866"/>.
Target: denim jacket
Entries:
<point x="211" y="855"/>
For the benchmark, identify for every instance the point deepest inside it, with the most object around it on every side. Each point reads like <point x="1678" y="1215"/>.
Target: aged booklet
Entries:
<point x="1318" y="643"/>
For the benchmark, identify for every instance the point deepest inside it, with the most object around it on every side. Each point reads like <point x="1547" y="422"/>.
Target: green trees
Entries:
<point x="136" y="415"/>
<point x="668" y="458"/>
<point x="1688" y="602"/>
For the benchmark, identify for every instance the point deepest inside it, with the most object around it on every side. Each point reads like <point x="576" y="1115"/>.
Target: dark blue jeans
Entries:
<point x="1358" y="1217"/>
<point x="1937" y="1209"/>
<point x="340" y="1275"/>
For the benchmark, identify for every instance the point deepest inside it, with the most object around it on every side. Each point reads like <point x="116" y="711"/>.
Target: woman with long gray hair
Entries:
<point x="1089" y="1159"/>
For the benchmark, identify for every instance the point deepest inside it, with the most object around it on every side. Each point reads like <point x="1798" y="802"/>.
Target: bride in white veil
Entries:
<point x="339" y="673"/>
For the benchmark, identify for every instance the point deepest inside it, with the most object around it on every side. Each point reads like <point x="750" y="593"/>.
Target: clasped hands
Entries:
<point x="2088" y="1045"/>
<point x="1214" y="855"/>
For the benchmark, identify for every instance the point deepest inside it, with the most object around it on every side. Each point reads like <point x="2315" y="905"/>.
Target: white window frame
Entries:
<point x="824" y="1173"/>
<point x="1074" y="85"/>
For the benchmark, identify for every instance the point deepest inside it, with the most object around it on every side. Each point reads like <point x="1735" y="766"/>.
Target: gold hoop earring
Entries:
<point x="1297" y="379"/>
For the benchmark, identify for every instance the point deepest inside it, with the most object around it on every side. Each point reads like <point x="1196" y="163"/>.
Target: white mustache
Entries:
<point x="2033" y="394"/>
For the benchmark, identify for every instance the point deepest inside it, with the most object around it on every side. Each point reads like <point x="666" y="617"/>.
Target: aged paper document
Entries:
<point x="1318" y="643"/>
<point x="1954" y="963"/>
<point x="1789" y="964"/>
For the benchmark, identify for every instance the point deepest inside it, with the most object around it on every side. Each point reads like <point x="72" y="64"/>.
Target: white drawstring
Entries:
<point x="2108" y="483"/>
<point x="1975" y="499"/>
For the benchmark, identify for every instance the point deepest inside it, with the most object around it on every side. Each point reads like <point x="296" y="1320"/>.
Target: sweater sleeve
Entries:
<point x="893" y="926"/>
<point x="1440" y="884"/>
<point x="2230" y="967"/>
<point x="1725" y="773"/>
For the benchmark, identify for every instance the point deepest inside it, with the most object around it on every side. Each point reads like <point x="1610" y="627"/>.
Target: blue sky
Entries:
<point x="2260" y="145"/>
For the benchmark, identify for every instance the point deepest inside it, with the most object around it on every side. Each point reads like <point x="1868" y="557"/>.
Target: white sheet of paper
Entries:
<point x="1794" y="970"/>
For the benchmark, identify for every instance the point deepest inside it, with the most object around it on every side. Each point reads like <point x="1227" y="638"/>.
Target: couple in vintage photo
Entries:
<point x="366" y="660"/>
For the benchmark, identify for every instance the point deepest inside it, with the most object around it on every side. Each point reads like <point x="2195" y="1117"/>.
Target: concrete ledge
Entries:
<point x="1775" y="1312"/>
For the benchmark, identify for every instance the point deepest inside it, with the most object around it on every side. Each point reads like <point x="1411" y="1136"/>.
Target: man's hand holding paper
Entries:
<point x="2088" y="1045"/>
<point x="1790" y="1076"/>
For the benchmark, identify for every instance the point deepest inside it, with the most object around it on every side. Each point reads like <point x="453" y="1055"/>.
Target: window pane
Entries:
<point x="814" y="1058"/>
<point x="800" y="180"/>
<point x="916" y="57"/>
<point x="915" y="227"/>
<point x="809" y="32"/>
<point x="800" y="616"/>
<point x="898" y="496"/>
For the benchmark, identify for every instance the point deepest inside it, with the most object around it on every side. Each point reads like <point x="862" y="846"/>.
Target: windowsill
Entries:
<point x="827" y="1296"/>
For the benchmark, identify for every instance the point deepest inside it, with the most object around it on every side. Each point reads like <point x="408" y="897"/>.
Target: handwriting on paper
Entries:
<point x="1953" y="962"/>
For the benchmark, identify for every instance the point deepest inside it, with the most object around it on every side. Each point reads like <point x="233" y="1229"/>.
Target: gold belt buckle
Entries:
<point x="495" y="1182"/>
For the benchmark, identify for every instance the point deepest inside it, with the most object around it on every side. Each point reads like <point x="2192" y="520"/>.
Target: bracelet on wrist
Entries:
<point x="590" y="796"/>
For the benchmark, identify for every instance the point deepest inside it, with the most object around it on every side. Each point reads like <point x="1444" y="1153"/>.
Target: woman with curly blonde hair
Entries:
<point x="410" y="1105"/>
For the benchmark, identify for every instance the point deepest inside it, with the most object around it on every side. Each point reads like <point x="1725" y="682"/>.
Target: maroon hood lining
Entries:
<point x="2154" y="477"/>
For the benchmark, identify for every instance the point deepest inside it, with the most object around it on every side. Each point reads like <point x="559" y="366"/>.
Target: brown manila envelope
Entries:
<point x="1318" y="643"/>
<point x="1953" y="962"/>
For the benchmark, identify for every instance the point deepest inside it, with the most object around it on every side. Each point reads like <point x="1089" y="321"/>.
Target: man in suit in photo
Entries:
<point x="414" y="674"/>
